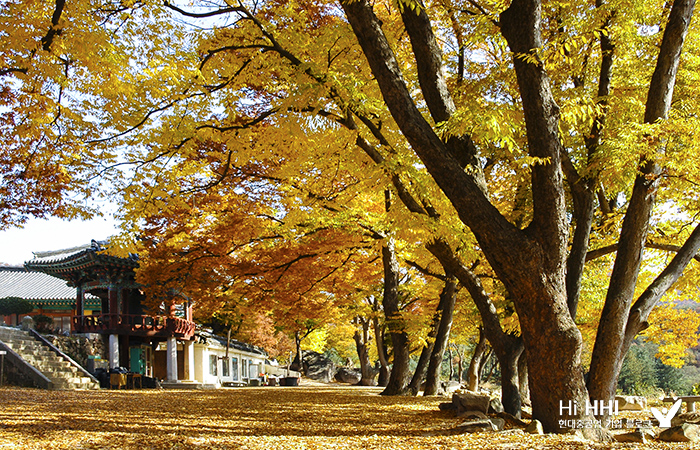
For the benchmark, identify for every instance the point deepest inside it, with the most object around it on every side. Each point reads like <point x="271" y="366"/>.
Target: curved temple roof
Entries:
<point x="64" y="263"/>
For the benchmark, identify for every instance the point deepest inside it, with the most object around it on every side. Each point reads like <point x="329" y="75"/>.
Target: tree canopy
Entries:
<point x="521" y="139"/>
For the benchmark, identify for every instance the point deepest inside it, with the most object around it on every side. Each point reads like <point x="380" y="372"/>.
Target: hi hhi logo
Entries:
<point x="664" y="416"/>
<point x="594" y="408"/>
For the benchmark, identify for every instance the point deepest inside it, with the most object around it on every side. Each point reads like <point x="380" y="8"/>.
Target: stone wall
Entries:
<point x="79" y="348"/>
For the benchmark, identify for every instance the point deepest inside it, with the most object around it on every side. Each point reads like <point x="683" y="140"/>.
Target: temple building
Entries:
<point x="133" y="335"/>
<point x="87" y="290"/>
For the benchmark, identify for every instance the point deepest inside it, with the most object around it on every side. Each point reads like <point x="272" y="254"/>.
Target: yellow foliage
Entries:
<point x="676" y="329"/>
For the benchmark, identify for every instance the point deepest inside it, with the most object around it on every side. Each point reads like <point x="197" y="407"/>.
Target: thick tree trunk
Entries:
<point x="400" y="373"/>
<point x="382" y="353"/>
<point x="361" y="343"/>
<point x="474" y="369"/>
<point x="607" y="351"/>
<point x="531" y="262"/>
<point x="446" y="312"/>
<point x="510" y="384"/>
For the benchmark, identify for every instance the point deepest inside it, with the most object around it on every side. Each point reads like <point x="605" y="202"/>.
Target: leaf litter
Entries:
<point x="297" y="418"/>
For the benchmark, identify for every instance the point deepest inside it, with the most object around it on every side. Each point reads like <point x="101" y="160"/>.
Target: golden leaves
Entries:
<point x="312" y="416"/>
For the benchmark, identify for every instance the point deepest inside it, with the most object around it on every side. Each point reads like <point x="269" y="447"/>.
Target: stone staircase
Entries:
<point x="64" y="374"/>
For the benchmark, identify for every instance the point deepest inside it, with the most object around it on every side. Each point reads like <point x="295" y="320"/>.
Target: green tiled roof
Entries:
<point x="40" y="289"/>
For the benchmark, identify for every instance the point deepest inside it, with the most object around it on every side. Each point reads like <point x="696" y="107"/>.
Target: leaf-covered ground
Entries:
<point x="305" y="417"/>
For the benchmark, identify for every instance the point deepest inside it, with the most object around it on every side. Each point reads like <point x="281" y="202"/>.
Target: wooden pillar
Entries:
<point x="80" y="301"/>
<point x="113" y="351"/>
<point x="171" y="359"/>
<point x="113" y="295"/>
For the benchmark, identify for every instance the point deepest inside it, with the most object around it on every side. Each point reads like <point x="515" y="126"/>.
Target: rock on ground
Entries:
<point x="471" y="401"/>
<point x="348" y="375"/>
<point x="687" y="432"/>
<point x="534" y="427"/>
<point x="631" y="402"/>
<point x="318" y="367"/>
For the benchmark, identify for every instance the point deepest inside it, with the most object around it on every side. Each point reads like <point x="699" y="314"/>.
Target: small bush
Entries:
<point x="43" y="324"/>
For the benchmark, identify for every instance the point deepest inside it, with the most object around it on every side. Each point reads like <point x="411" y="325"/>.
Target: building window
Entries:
<point x="245" y="368"/>
<point x="213" y="363"/>
<point x="224" y="367"/>
<point x="234" y="368"/>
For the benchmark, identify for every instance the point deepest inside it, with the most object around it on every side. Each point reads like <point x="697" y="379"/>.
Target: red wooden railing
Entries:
<point x="135" y="325"/>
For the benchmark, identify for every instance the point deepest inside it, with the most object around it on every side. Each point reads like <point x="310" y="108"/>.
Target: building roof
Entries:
<point x="205" y="336"/>
<point x="39" y="288"/>
<point x="67" y="263"/>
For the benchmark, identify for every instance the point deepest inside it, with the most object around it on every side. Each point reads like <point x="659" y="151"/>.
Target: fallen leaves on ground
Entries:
<point x="270" y="418"/>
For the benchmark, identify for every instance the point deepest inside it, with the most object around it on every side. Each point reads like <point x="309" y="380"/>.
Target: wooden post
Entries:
<point x="2" y="367"/>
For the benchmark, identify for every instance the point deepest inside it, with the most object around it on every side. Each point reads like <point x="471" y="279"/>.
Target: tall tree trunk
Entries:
<point x="382" y="353"/>
<point x="460" y="364"/>
<point x="523" y="380"/>
<point x="436" y="336"/>
<point x="607" y="351"/>
<point x="361" y="344"/>
<point x="475" y="363"/>
<point x="446" y="312"/>
<point x="510" y="384"/>
<point x="298" y="363"/>
<point x="452" y="365"/>
<point x="531" y="262"/>
<point x="400" y="373"/>
<point x="422" y="366"/>
<point x="503" y="344"/>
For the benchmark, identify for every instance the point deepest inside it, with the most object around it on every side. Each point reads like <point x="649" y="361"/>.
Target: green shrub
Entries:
<point x="43" y="324"/>
<point x="14" y="305"/>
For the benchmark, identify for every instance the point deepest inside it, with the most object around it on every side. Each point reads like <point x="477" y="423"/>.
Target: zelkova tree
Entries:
<point x="516" y="205"/>
<point x="529" y="138"/>
<point x="531" y="262"/>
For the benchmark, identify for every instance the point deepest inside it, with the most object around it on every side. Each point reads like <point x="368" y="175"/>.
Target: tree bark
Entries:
<point x="504" y="345"/>
<point x="446" y="312"/>
<point x="607" y="351"/>
<point x="298" y="363"/>
<point x="361" y="344"/>
<point x="460" y="364"/>
<point x="437" y="337"/>
<point x="400" y="373"/>
<point x="452" y="366"/>
<point x="382" y="353"/>
<point x="523" y="380"/>
<point x="419" y="374"/>
<point x="474" y="369"/>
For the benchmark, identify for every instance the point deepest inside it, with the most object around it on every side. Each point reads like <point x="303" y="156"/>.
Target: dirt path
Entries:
<point x="305" y="417"/>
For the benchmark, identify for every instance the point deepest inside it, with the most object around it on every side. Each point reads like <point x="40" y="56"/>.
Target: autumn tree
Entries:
<point x="530" y="134"/>
<point x="71" y="75"/>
